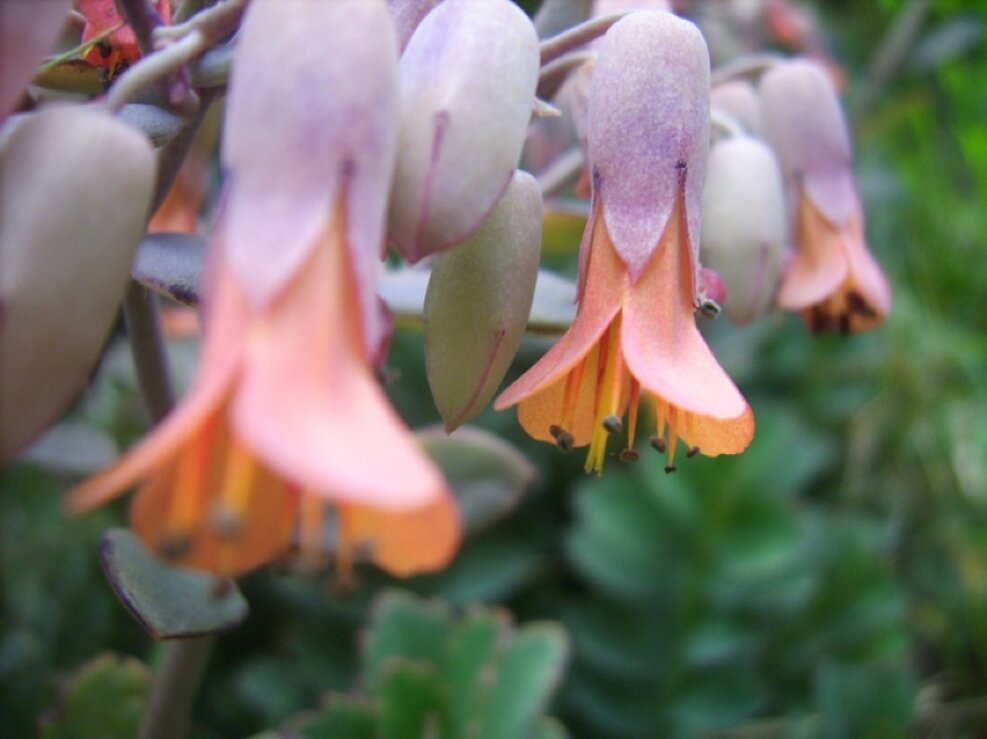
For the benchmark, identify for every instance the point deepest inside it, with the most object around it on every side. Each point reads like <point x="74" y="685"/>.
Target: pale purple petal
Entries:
<point x="649" y="127"/>
<point x="407" y="14"/>
<point x="805" y="124"/>
<point x="28" y="30"/>
<point x="311" y="115"/>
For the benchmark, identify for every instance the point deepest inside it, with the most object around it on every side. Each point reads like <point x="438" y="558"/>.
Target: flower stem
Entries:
<point x="140" y="310"/>
<point x="175" y="686"/>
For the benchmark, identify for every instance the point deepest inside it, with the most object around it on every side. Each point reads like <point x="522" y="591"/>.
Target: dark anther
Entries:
<point x="670" y="468"/>
<point x="613" y="425"/>
<point x="819" y="320"/>
<point x="855" y="303"/>
<point x="221" y="587"/>
<point x="845" y="323"/>
<point x="709" y="308"/>
<point x="629" y="455"/>
<point x="175" y="546"/>
<point x="693" y="451"/>
<point x="565" y="442"/>
<point x="226" y="522"/>
<point x="104" y="49"/>
<point x="658" y="442"/>
<point x="555" y="430"/>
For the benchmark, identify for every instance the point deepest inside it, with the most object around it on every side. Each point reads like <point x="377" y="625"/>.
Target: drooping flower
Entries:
<point x="285" y="417"/>
<point x="833" y="279"/>
<point x="634" y="337"/>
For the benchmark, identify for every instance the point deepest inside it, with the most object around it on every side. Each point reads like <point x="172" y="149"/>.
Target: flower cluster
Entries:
<point x="336" y="148"/>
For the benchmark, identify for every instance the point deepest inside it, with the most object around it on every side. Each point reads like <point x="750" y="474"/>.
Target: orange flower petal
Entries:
<point x="664" y="350"/>
<point x="601" y="296"/>
<point x="264" y="531"/>
<point x="866" y="274"/>
<point x="219" y="362"/>
<point x="408" y="542"/>
<point x="306" y="371"/>
<point x="820" y="264"/>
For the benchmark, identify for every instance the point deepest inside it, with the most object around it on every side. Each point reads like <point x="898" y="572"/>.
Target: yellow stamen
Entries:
<point x="190" y="483"/>
<point x="239" y="478"/>
<point x="312" y="529"/>
<point x="346" y="551"/>
<point x="661" y="413"/>
<point x="632" y="412"/>
<point x="608" y="392"/>
<point x="673" y="436"/>
<point x="572" y="383"/>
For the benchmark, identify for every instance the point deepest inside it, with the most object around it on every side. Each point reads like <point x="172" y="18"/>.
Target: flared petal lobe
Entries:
<point x="305" y="371"/>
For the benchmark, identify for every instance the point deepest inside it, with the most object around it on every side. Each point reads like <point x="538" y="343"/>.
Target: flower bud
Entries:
<point x="28" y="30"/>
<point x="407" y="14"/>
<point x="744" y="225"/>
<point x="75" y="187"/>
<point x="738" y="99"/>
<point x="477" y="303"/>
<point x="467" y="85"/>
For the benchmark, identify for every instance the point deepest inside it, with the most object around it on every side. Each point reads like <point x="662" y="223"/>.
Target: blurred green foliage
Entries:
<point x="829" y="582"/>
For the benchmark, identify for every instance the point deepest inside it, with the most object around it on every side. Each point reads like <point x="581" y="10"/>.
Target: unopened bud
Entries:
<point x="75" y="187"/>
<point x="738" y="99"/>
<point x="744" y="225"/>
<point x="477" y="304"/>
<point x="467" y="85"/>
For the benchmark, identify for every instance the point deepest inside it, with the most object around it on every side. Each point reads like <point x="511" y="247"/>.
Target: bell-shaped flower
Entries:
<point x="467" y="81"/>
<point x="286" y="416"/>
<point x="65" y="253"/>
<point x="28" y="31"/>
<point x="744" y="225"/>
<point x="634" y="337"/>
<point x="833" y="279"/>
<point x="477" y="304"/>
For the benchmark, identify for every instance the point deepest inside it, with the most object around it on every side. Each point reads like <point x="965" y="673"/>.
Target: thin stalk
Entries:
<point x="175" y="686"/>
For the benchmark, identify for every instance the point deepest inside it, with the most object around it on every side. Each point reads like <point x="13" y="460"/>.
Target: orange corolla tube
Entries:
<point x="634" y="338"/>
<point x="286" y="417"/>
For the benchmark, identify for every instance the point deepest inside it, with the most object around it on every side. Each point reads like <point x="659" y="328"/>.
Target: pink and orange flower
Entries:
<point x="634" y="338"/>
<point x="286" y="419"/>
